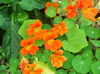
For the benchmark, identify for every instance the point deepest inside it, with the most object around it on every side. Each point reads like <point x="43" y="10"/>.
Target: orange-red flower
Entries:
<point x="57" y="60"/>
<point x="35" y="29"/>
<point x="28" y="46"/>
<point x="60" y="28"/>
<point x="84" y="3"/>
<point x="48" y="4"/>
<point x="90" y="13"/>
<point x="71" y="11"/>
<point x="30" y="69"/>
<point x="24" y="63"/>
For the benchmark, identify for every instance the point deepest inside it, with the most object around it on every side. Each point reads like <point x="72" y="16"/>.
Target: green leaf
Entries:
<point x="11" y="41"/>
<point x="46" y="26"/>
<point x="29" y="5"/>
<point x="44" y="58"/>
<point x="7" y="1"/>
<point x="68" y="63"/>
<point x="1" y="50"/>
<point x="51" y="11"/>
<point x="64" y="3"/>
<point x="73" y="72"/>
<point x="88" y="54"/>
<point x="39" y="42"/>
<point x="61" y="71"/>
<point x="89" y="47"/>
<point x="95" y="43"/>
<point x="45" y="68"/>
<point x="18" y="72"/>
<point x="24" y="27"/>
<point x="81" y="65"/>
<point x="69" y="23"/>
<point x="76" y="40"/>
<point x="49" y="64"/>
<point x="1" y="57"/>
<point x="13" y="69"/>
<point x="92" y="32"/>
<point x="3" y="67"/>
<point x="96" y="67"/>
<point x="3" y="72"/>
<point x="97" y="53"/>
<point x="14" y="62"/>
<point x="2" y="20"/>
<point x="57" y="20"/>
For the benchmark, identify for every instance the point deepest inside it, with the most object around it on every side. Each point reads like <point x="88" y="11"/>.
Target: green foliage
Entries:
<point x="76" y="40"/>
<point x="57" y="19"/>
<point x="61" y="71"/>
<point x="81" y="65"/>
<point x="11" y="41"/>
<point x="7" y="1"/>
<point x="97" y="54"/>
<point x="64" y="3"/>
<point x="96" y="67"/>
<point x="2" y="18"/>
<point x="95" y="43"/>
<point x="51" y="11"/>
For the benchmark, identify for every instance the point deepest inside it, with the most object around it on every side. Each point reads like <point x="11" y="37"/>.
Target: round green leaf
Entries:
<point x="95" y="43"/>
<point x="39" y="42"/>
<point x="3" y="72"/>
<point x="69" y="23"/>
<point x="14" y="62"/>
<point x="68" y="63"/>
<point x="57" y="19"/>
<point x="18" y="72"/>
<point x="44" y="58"/>
<point x="73" y="72"/>
<point x="12" y="69"/>
<point x="64" y="3"/>
<point x="46" y="26"/>
<point x="50" y="65"/>
<point x="89" y="47"/>
<point x="96" y="67"/>
<point x="92" y="32"/>
<point x="47" y="52"/>
<point x="61" y="71"/>
<point x="51" y="11"/>
<point x="3" y="67"/>
<point x="76" y="40"/>
<point x="88" y="54"/>
<point x="81" y="65"/>
<point x="98" y="54"/>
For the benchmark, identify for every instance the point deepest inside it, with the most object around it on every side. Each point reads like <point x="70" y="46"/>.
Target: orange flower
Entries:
<point x="57" y="60"/>
<point x="53" y="45"/>
<point x="48" y="4"/>
<point x="28" y="46"/>
<point x="60" y="28"/>
<point x="90" y="13"/>
<point x="24" y="63"/>
<point x="30" y="69"/>
<point x="84" y="3"/>
<point x="71" y="11"/>
<point x="50" y="34"/>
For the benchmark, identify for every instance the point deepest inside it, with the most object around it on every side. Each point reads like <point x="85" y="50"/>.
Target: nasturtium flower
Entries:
<point x="35" y="30"/>
<point x="53" y="45"/>
<point x="60" y="28"/>
<point x="48" y="4"/>
<point x="90" y="13"/>
<point x="57" y="60"/>
<point x="28" y="47"/>
<point x="24" y="63"/>
<point x="71" y="11"/>
<point x="84" y="3"/>
<point x="30" y="69"/>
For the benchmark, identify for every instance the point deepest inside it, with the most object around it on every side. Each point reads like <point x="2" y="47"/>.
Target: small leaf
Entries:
<point x="69" y="23"/>
<point x="88" y="54"/>
<point x="96" y="67"/>
<point x="51" y="11"/>
<point x="68" y="63"/>
<point x="2" y="20"/>
<point x="61" y="71"/>
<point x="44" y="58"/>
<point x="98" y="54"/>
<point x="7" y="1"/>
<point x="39" y="42"/>
<point x="81" y="65"/>
<point x="57" y="19"/>
<point x="18" y="72"/>
<point x="76" y="40"/>
<point x="92" y="32"/>
<point x="50" y="65"/>
<point x="73" y="72"/>
<point x="12" y="69"/>
<point x="3" y="67"/>
<point x="1" y="50"/>
<point x="14" y="62"/>
<point x="46" y="26"/>
<point x="95" y="43"/>
<point x="64" y="3"/>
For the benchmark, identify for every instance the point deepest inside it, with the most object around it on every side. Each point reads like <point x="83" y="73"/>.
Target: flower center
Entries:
<point x="50" y="41"/>
<point x="37" y="29"/>
<point x="28" y="47"/>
